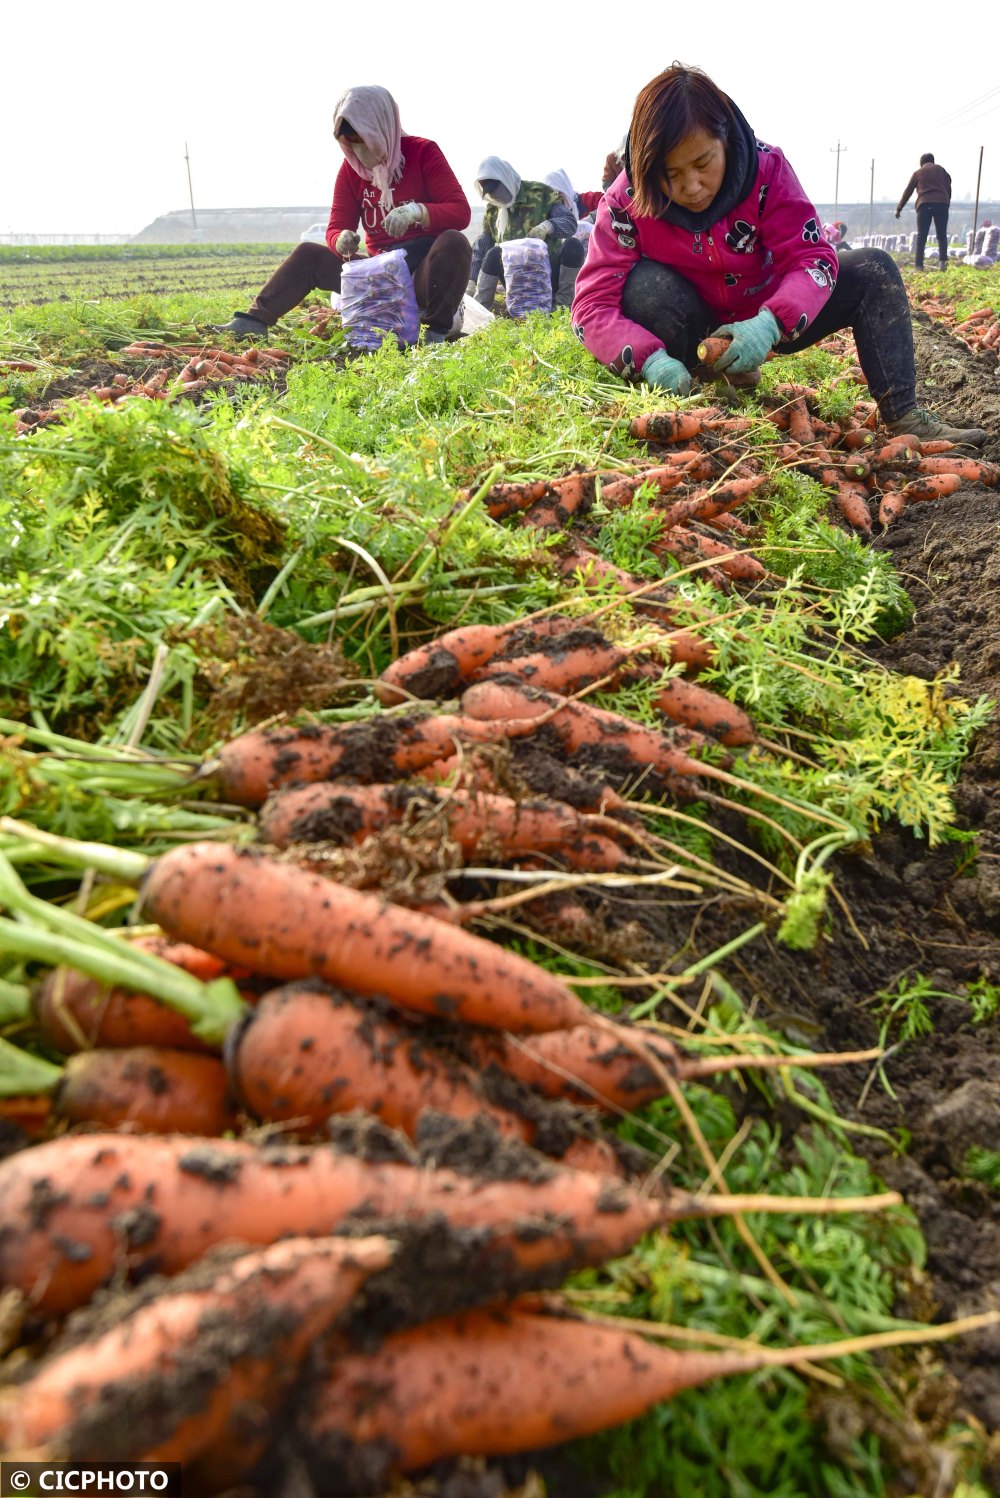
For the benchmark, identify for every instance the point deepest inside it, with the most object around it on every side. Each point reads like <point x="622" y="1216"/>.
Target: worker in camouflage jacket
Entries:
<point x="708" y="231"/>
<point x="517" y="209"/>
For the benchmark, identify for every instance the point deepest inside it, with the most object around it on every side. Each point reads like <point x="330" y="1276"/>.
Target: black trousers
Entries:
<point x="927" y="214"/>
<point x="868" y="298"/>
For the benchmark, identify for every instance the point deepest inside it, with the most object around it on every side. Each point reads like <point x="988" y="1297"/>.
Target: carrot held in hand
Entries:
<point x="288" y="923"/>
<point x="227" y="1352"/>
<point x="711" y="349"/>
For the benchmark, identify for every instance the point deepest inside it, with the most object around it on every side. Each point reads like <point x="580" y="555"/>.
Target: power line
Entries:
<point x="964" y="108"/>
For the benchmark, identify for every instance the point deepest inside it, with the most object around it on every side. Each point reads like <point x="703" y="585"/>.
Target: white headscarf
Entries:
<point x="374" y="115"/>
<point x="560" y="181"/>
<point x="495" y="169"/>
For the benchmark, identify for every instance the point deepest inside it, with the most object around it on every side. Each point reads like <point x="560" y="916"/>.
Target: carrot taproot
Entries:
<point x="710" y="350"/>
<point x="287" y="923"/>
<point x="80" y="1209"/>
<point x="891" y="506"/>
<point x="149" y="1088"/>
<point x="935" y="446"/>
<point x="439" y="668"/>
<point x="490" y="1383"/>
<point x="709" y="504"/>
<point x="932" y="486"/>
<point x="229" y="1349"/>
<point x="706" y="712"/>
<point x="672" y="426"/>
<point x="75" y="1012"/>
<point x="308" y="1052"/>
<point x="899" y="452"/>
<point x="481" y="822"/>
<point x="581" y="1064"/>
<point x="578" y="724"/>
<point x="800" y="427"/>
<point x="594" y="572"/>
<point x="572" y="661"/>
<point x="249" y="767"/>
<point x="857" y="439"/>
<point x="852" y="502"/>
<point x="969" y="469"/>
<point x="684" y="542"/>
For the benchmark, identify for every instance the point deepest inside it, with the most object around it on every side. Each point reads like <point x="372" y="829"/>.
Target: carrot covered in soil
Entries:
<point x="685" y="646"/>
<point x="933" y="486"/>
<point x="891" y="506"/>
<point x="439" y="668"/>
<point x="81" y="1209"/>
<point x="712" y="349"/>
<point x="287" y="923"/>
<point x="672" y="426"/>
<point x="229" y="1350"/>
<point x="149" y="1088"/>
<point x="704" y="711"/>
<point x="472" y="818"/>
<point x="490" y="1383"/>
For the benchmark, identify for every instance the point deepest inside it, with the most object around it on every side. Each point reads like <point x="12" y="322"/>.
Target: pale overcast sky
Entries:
<point x="99" y="100"/>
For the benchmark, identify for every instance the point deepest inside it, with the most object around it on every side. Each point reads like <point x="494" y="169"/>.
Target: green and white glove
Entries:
<point x="752" y="341"/>
<point x="540" y="231"/>
<point x="665" y="373"/>
<point x="399" y="221"/>
<point x="347" y="243"/>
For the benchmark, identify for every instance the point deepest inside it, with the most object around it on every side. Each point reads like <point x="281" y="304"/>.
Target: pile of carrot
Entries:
<point x="206" y="368"/>
<point x="979" y="330"/>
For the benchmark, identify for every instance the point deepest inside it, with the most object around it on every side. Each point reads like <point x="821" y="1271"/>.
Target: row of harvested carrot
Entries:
<point x="979" y="330"/>
<point x="206" y="368"/>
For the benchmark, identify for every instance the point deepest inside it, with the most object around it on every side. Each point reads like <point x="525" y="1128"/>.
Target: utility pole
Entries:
<point x="194" y="219"/>
<point x="975" y="216"/>
<point x="871" y="197"/>
<point x="836" y="187"/>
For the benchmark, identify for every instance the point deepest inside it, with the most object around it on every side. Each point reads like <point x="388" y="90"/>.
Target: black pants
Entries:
<point x="868" y="298"/>
<point x="438" y="263"/>
<point x="927" y="214"/>
<point x="571" y="253"/>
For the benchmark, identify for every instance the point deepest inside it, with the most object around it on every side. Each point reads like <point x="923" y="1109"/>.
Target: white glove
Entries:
<point x="398" y="221"/>
<point x="347" y="243"/>
<point x="540" y="231"/>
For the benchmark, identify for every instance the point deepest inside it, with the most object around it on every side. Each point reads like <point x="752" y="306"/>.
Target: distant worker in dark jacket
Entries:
<point x="519" y="209"/>
<point x="933" y="188"/>
<point x="402" y="194"/>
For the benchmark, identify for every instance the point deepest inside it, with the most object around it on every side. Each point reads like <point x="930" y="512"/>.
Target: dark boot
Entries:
<point x="242" y="325"/>
<point x="930" y="428"/>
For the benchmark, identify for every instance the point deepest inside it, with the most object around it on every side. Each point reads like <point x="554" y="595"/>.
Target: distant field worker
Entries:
<point x="708" y="231"/>
<point x="403" y="194"/>
<point x="519" y="209"/>
<point x="932" y="185"/>
<point x="581" y="203"/>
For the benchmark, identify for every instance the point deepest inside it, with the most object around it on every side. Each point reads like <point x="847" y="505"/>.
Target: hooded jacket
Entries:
<point x="758" y="244"/>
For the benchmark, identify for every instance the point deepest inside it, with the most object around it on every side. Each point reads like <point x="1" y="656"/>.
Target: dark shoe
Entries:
<point x="434" y="335"/>
<point x="930" y="428"/>
<point x="243" y="326"/>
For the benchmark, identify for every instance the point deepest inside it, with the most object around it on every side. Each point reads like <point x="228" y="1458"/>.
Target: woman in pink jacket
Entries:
<point x="707" y="230"/>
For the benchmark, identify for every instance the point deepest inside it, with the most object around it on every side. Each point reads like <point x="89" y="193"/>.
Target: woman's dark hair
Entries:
<point x="927" y="158"/>
<point x="678" y="102"/>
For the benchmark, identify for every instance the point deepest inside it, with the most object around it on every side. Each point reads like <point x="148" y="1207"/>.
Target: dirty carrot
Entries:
<point x="439" y="668"/>
<point x="672" y="426"/>
<point x="149" y="1088"/>
<point x="712" y="349"/>
<point x="969" y="469"/>
<point x="933" y="486"/>
<point x="891" y="506"/>
<point x="288" y="923"/>
<point x="707" y="712"/>
<point x="103" y="1397"/>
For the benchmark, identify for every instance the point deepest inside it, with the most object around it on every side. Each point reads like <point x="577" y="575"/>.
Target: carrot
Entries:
<point x="706" y="712"/>
<point x="309" y="1052"/>
<point x="935" y="446"/>
<point x="227" y="1351"/>
<point x="575" y="660"/>
<point x="857" y="439"/>
<point x="503" y="827"/>
<point x="439" y="668"/>
<point x="708" y="504"/>
<point x="288" y="923"/>
<point x="969" y="469"/>
<point x="577" y="724"/>
<point x="891" y="506"/>
<point x="934" y="486"/>
<point x="897" y="453"/>
<point x="581" y="1064"/>
<point x="149" y="1088"/>
<point x="75" y="1013"/>
<point x="800" y="427"/>
<point x="852" y="502"/>
<point x="256" y="763"/>
<point x="712" y="349"/>
<point x="489" y="1383"/>
<point x="685" y="647"/>
<point x="682" y="542"/>
<point x="672" y="426"/>
<point x="80" y="1209"/>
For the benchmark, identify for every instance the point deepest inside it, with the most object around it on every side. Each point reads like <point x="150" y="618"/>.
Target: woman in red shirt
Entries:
<point x="403" y="194"/>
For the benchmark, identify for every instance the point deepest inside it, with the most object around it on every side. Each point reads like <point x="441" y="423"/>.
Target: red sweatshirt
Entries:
<point x="427" y="178"/>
